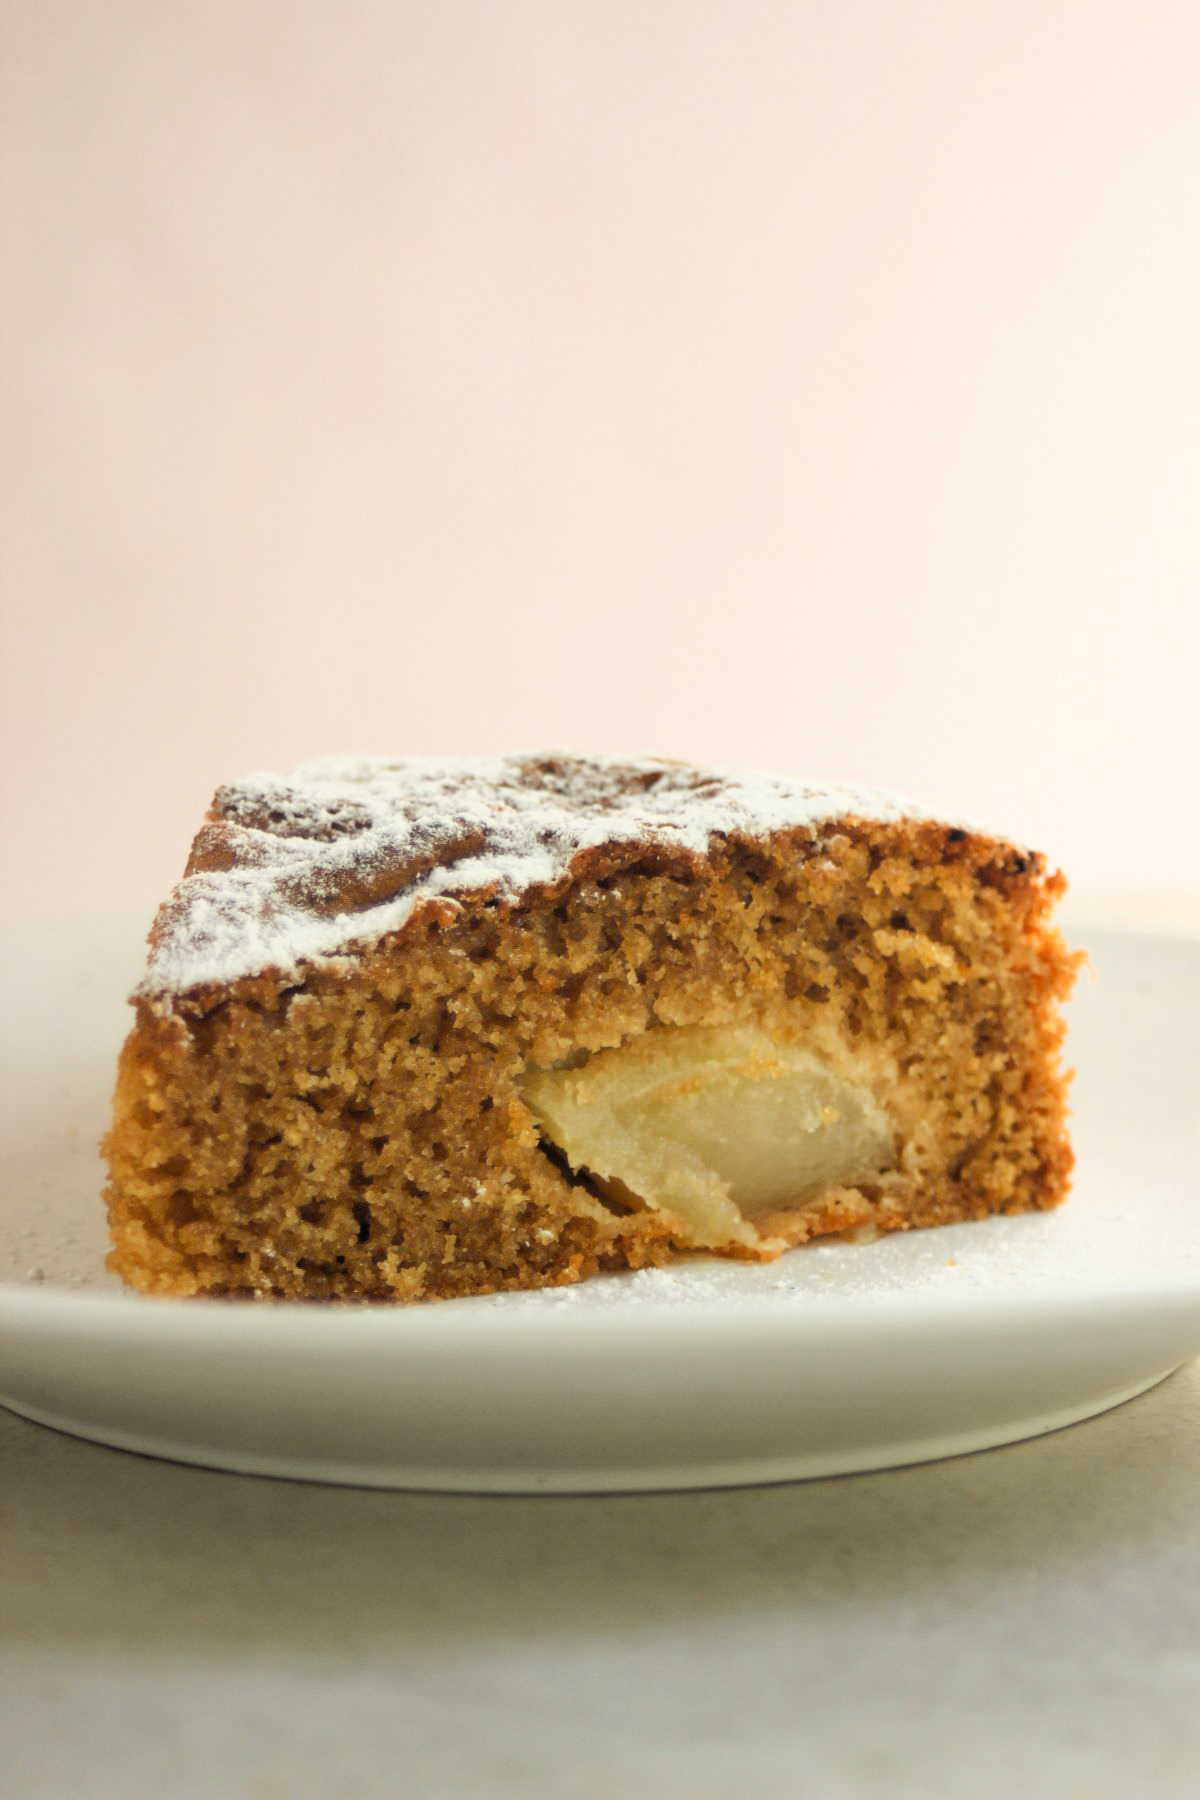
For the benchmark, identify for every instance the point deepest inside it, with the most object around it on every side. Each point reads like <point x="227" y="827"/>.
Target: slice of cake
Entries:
<point x="423" y="1028"/>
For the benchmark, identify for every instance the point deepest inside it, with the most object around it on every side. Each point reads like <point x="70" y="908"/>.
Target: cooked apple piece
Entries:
<point x="716" y="1125"/>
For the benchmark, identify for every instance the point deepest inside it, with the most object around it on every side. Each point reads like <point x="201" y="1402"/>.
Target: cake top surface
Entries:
<point x="305" y="868"/>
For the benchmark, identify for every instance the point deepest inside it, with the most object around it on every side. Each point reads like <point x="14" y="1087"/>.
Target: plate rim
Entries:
<point x="130" y="1314"/>
<point x="765" y="1471"/>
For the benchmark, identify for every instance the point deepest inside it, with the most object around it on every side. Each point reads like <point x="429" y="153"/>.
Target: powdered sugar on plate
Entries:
<point x="1088" y="1244"/>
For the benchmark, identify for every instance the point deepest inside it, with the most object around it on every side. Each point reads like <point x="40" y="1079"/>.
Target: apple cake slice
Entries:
<point x="421" y="1028"/>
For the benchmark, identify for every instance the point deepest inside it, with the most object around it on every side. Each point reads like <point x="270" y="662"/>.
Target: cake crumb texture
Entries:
<point x="329" y="1106"/>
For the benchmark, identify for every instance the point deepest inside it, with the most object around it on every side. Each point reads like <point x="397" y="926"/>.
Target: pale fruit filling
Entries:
<point x="719" y="1126"/>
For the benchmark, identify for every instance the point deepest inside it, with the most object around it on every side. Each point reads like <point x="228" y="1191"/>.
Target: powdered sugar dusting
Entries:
<point x="316" y="865"/>
<point x="1093" y="1242"/>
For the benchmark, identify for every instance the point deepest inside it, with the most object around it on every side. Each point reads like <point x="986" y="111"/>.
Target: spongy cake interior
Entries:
<point x="361" y="1130"/>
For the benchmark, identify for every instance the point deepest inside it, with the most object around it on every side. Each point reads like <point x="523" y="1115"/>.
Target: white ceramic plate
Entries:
<point x="838" y="1357"/>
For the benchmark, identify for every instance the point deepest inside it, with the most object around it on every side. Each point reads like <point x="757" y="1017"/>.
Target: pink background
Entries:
<point x="802" y="385"/>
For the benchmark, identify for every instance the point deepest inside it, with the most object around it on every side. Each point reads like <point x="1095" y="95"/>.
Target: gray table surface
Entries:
<point x="1020" y="1622"/>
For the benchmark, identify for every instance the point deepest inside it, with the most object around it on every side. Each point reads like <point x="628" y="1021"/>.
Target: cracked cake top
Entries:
<point x="308" y="867"/>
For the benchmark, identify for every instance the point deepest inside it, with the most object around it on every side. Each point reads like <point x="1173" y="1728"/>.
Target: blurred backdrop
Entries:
<point x="794" y="383"/>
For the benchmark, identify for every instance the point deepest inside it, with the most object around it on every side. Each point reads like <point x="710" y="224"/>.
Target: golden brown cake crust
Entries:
<point x="349" y="1123"/>
<point x="292" y="871"/>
